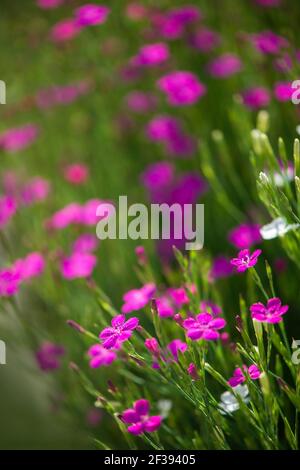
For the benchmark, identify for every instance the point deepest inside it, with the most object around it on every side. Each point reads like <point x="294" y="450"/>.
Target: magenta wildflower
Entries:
<point x="182" y="88"/>
<point x="76" y="173"/>
<point x="256" y="98"/>
<point x="18" y="138"/>
<point x="245" y="235"/>
<point x="69" y="214"/>
<point x="177" y="346"/>
<point x="100" y="356"/>
<point x="137" y="299"/>
<point x="245" y="260"/>
<point x="283" y="91"/>
<point x="139" y="419"/>
<point x="152" y="54"/>
<point x="204" y="326"/>
<point x="78" y="265"/>
<point x="164" y="307"/>
<point x="271" y="313"/>
<point x="152" y="345"/>
<point x="85" y="243"/>
<point x="205" y="40"/>
<point x="268" y="42"/>
<point x="31" y="266"/>
<point x="35" y="190"/>
<point x="179" y="296"/>
<point x="91" y="15"/>
<point x="221" y="267"/>
<point x="225" y="66"/>
<point x="8" y="208"/>
<point x="64" y="30"/>
<point x="192" y="371"/>
<point x="140" y="102"/>
<point x="239" y="375"/>
<point x="119" y="331"/>
<point x="48" y="356"/>
<point x="10" y="281"/>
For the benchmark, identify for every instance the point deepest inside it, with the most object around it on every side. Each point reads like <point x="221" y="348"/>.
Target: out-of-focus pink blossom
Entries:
<point x="225" y="66"/>
<point x="78" y="265"/>
<point x="8" y="208"/>
<point x="205" y="40"/>
<point x="256" y="98"/>
<point x="10" y="281"/>
<point x="140" y="102"/>
<point x="164" y="307"/>
<point x="31" y="266"/>
<point x="268" y="42"/>
<point x="85" y="243"/>
<point x="64" y="30"/>
<point x="100" y="356"/>
<point x="49" y="355"/>
<point x="91" y="15"/>
<point x="70" y="214"/>
<point x="221" y="267"/>
<point x="182" y="88"/>
<point x="76" y="173"/>
<point x="18" y="138"/>
<point x="136" y="299"/>
<point x="283" y="91"/>
<point x="152" y="54"/>
<point x="245" y="235"/>
<point x="35" y="190"/>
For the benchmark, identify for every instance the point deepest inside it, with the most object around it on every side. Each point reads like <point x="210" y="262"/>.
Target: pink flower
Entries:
<point x="224" y="66"/>
<point x="18" y="138"/>
<point x="205" y="40"/>
<point x="239" y="375"/>
<point x="271" y="313"/>
<point x="8" y="208"/>
<point x="89" y="210"/>
<point x="76" y="173"/>
<point x="181" y="88"/>
<point x="48" y="4"/>
<point x="245" y="235"/>
<point x="164" y="307"/>
<point x="176" y="346"/>
<point x="204" y="326"/>
<point x="140" y="102"/>
<point x="64" y="30"/>
<point x="268" y="42"/>
<point x="10" y="281"/>
<point x="100" y="356"/>
<point x="69" y="214"/>
<point x="139" y="419"/>
<point x="78" y="265"/>
<point x="136" y="299"/>
<point x="210" y="307"/>
<point x="158" y="176"/>
<point x="256" y="98"/>
<point x="245" y="260"/>
<point x="85" y="243"/>
<point x="192" y="371"/>
<point x="179" y="296"/>
<point x="91" y="15"/>
<point x="120" y="331"/>
<point x="221" y="268"/>
<point x="283" y="91"/>
<point x="152" y="54"/>
<point x="35" y="190"/>
<point x="141" y="255"/>
<point x="48" y="356"/>
<point x="31" y="266"/>
<point x="152" y="345"/>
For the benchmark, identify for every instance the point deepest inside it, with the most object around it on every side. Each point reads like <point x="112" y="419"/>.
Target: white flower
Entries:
<point x="229" y="402"/>
<point x="164" y="407"/>
<point x="277" y="228"/>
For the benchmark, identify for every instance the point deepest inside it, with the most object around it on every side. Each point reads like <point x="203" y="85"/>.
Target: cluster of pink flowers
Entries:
<point x="18" y="138"/>
<point x="271" y="313"/>
<point x="139" y="419"/>
<point x="168" y="130"/>
<point x="151" y="55"/>
<point x="75" y="213"/>
<point x="22" y="270"/>
<point x="239" y="375"/>
<point x="182" y="88"/>
<point x="19" y="193"/>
